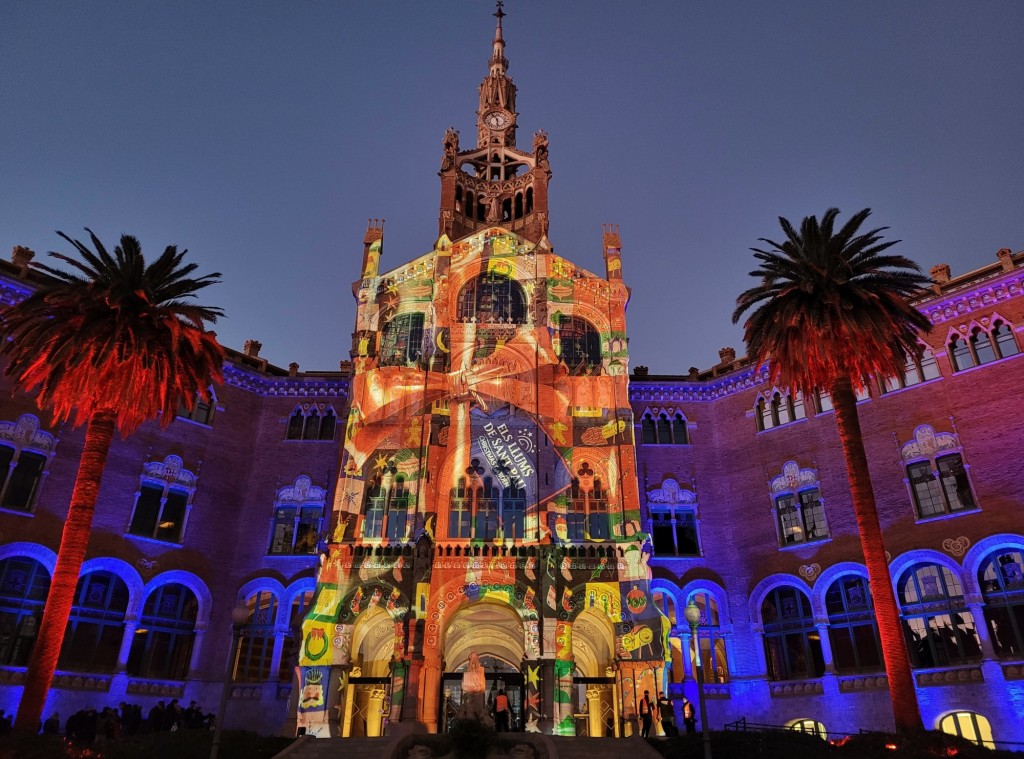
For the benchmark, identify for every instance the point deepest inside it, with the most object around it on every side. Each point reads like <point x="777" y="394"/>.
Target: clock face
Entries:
<point x="496" y="119"/>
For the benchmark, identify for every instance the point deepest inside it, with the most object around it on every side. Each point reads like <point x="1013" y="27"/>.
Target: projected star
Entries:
<point x="381" y="462"/>
<point x="533" y="676"/>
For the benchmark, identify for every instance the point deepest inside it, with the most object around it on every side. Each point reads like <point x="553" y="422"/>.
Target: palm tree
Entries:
<point x="832" y="312"/>
<point x="118" y="342"/>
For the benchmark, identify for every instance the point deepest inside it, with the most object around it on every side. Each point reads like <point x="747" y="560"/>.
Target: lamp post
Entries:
<point x="239" y="616"/>
<point x="692" y="614"/>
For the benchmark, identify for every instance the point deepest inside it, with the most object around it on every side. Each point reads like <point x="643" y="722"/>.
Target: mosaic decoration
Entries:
<point x="956" y="546"/>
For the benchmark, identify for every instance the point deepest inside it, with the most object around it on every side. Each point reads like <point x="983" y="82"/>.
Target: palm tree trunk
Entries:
<point x="890" y="629"/>
<point x="98" y="435"/>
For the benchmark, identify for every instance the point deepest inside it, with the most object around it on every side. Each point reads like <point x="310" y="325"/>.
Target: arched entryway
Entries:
<point x="369" y="681"/>
<point x="593" y="684"/>
<point x="494" y="632"/>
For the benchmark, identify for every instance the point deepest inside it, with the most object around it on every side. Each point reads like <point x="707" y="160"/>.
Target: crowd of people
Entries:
<point x="86" y="726"/>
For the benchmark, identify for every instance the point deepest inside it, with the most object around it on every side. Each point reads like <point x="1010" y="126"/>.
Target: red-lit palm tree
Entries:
<point x="116" y="342"/>
<point x="832" y="313"/>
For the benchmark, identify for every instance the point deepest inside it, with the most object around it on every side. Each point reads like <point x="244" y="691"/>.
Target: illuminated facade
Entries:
<point x="487" y="475"/>
<point x="488" y="501"/>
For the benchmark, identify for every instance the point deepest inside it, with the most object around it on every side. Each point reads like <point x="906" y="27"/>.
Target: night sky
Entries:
<point x="262" y="135"/>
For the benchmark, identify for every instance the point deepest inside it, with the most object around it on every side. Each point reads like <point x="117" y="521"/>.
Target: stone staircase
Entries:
<point x="547" y="747"/>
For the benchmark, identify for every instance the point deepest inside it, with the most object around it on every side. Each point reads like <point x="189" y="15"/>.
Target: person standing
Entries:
<point x="689" y="717"/>
<point x="646" y="714"/>
<point x="668" y="715"/>
<point x="501" y="712"/>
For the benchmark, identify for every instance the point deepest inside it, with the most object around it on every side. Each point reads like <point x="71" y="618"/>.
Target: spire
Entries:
<point x="496" y="116"/>
<point x="499" y="64"/>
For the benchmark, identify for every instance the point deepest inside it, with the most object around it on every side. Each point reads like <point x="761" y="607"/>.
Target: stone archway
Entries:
<point x="495" y="632"/>
<point x="489" y="628"/>
<point x="369" y="681"/>
<point x="593" y="684"/>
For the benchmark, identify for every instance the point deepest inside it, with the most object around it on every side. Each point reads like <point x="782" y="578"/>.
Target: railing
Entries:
<point x="742" y="725"/>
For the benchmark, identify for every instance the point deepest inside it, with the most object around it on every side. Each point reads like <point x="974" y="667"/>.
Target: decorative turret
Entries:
<point x="494" y="183"/>
<point x="373" y="244"/>
<point x="612" y="244"/>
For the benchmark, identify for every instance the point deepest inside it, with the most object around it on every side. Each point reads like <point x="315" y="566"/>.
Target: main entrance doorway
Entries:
<point x="499" y="678"/>
<point x="494" y="631"/>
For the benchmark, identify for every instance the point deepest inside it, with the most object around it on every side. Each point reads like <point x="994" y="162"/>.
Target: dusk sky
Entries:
<point x="262" y="135"/>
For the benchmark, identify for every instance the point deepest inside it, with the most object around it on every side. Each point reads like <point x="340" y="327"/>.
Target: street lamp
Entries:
<point x="239" y="616"/>
<point x="692" y="614"/>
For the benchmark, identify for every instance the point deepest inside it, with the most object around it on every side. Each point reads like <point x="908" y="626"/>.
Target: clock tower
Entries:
<point x="495" y="182"/>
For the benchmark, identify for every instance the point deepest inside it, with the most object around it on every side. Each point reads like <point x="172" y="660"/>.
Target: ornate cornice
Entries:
<point x="285" y="387"/>
<point x="978" y="296"/>
<point x="697" y="392"/>
<point x="12" y="292"/>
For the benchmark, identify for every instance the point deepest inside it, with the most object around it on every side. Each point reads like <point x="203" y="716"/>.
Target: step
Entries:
<point x="553" y="747"/>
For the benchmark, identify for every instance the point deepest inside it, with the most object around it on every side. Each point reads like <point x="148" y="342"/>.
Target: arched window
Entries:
<point x="969" y="726"/>
<point x="398" y="510"/>
<point x="513" y="512"/>
<point x="801" y="517"/>
<point x="1006" y="345"/>
<point x="981" y="344"/>
<point x="799" y="512"/>
<point x="298" y="518"/>
<point x="940" y="486"/>
<point x="387" y="503"/>
<point x="256" y="645"/>
<point x="679" y="434"/>
<point x="597" y="513"/>
<point x="710" y="639"/>
<point x="290" y="646"/>
<point x="24" y="583"/>
<point x="916" y="370"/>
<point x="492" y="299"/>
<point x="162" y="646"/>
<point x="852" y="630"/>
<point x="1001" y="578"/>
<point x="673" y="513"/>
<point x="163" y="501"/>
<point x="792" y="643"/>
<point x="23" y="456"/>
<point x="95" y="628"/>
<point x="779" y="409"/>
<point x="576" y="513"/>
<point x="580" y="345"/>
<point x="373" y="508"/>
<point x="961" y="354"/>
<point x="401" y="342"/>
<point x="487" y="502"/>
<point x="664" y="428"/>
<point x="201" y="411"/>
<point x="809" y="726"/>
<point x="460" y="517"/>
<point x="20" y="478"/>
<point x="312" y="422"/>
<point x="938" y="627"/>
<point x="667" y="428"/>
<point x="486" y="509"/>
<point x="648" y="433"/>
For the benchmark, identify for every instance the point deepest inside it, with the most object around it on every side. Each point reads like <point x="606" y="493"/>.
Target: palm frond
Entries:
<point x="831" y="303"/>
<point x="114" y="334"/>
